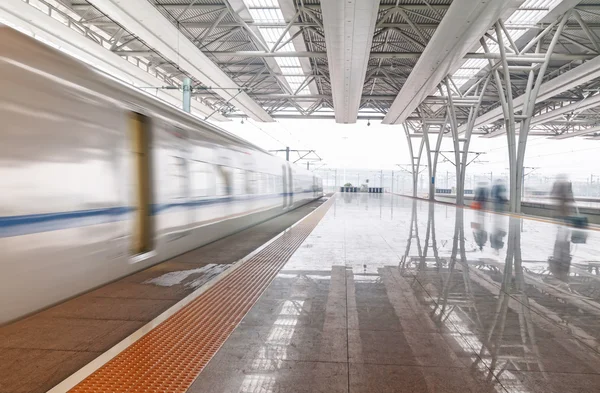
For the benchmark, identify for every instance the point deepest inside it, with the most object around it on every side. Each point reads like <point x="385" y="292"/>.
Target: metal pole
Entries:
<point x="507" y="109"/>
<point x="437" y="153"/>
<point x="460" y="195"/>
<point x="429" y="164"/>
<point x="308" y="165"/>
<point x="287" y="153"/>
<point x="467" y="140"/>
<point x="187" y="95"/>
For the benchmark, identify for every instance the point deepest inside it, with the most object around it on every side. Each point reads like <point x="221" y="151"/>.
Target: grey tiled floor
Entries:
<point x="392" y="295"/>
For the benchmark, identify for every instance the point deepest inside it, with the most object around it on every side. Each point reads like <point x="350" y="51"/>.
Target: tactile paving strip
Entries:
<point x="170" y="357"/>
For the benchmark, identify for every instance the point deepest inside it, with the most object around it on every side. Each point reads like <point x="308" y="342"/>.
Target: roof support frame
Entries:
<point x="457" y="33"/>
<point x="161" y="35"/>
<point x="43" y="25"/>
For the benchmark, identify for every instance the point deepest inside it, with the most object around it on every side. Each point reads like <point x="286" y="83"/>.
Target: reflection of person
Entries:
<point x="559" y="263"/>
<point x="498" y="195"/>
<point x="481" y="237"/>
<point x="562" y="193"/>
<point x="498" y="233"/>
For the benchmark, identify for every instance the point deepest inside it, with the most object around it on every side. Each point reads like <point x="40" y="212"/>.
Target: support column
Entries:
<point x="529" y="106"/>
<point x="414" y="167"/>
<point x="516" y="153"/>
<point x="460" y="193"/>
<point x="430" y="180"/>
<point x="436" y="155"/>
<point x="480" y="90"/>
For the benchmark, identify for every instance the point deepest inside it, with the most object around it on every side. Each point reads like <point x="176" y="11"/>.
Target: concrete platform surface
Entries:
<point x="390" y="294"/>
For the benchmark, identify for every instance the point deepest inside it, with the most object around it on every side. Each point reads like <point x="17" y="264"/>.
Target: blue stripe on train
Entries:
<point x="35" y="223"/>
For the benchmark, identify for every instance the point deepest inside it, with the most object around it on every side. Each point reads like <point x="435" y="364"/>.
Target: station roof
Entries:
<point x="354" y="59"/>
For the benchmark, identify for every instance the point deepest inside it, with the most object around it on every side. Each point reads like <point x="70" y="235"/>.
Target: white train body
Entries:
<point x="70" y="194"/>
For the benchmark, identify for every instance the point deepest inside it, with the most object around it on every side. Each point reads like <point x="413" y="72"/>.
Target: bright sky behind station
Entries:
<point x="383" y="146"/>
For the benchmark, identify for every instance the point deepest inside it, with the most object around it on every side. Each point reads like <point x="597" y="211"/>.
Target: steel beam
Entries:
<point x="579" y="106"/>
<point x="576" y="133"/>
<point x="206" y="25"/>
<point x="212" y="7"/>
<point x="373" y="55"/>
<point x="578" y="76"/>
<point x="465" y="22"/>
<point x="29" y="18"/>
<point x="143" y="20"/>
<point x="349" y="27"/>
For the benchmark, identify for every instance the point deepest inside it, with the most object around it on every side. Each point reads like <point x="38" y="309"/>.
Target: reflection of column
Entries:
<point x="458" y="239"/>
<point x="430" y="234"/>
<point x="430" y="241"/>
<point x="511" y="289"/>
<point x="412" y="234"/>
<point x="454" y="296"/>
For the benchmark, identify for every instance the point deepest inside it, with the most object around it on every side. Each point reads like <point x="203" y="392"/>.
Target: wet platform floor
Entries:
<point x="390" y="294"/>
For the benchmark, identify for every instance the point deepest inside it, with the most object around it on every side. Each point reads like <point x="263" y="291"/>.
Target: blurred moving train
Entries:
<point x="99" y="180"/>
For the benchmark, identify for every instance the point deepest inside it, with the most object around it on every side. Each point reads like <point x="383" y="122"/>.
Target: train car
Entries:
<point x="99" y="180"/>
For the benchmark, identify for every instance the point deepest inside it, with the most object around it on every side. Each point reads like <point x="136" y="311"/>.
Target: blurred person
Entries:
<point x="498" y="195"/>
<point x="481" y="196"/>
<point x="562" y="193"/>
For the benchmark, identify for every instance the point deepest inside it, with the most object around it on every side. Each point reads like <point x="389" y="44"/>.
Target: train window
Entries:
<point x="251" y="182"/>
<point x="259" y="183"/>
<point x="264" y="183"/>
<point x="224" y="180"/>
<point x="239" y="182"/>
<point x="178" y="177"/>
<point x="272" y="185"/>
<point x="201" y="179"/>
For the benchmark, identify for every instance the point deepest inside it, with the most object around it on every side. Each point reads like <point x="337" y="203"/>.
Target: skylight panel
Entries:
<point x="268" y="11"/>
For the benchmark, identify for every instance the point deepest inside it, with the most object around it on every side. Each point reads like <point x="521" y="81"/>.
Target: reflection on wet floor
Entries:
<point x="390" y="294"/>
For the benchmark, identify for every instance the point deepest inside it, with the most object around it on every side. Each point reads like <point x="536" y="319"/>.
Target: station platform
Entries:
<point x="368" y="293"/>
<point x="40" y="351"/>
